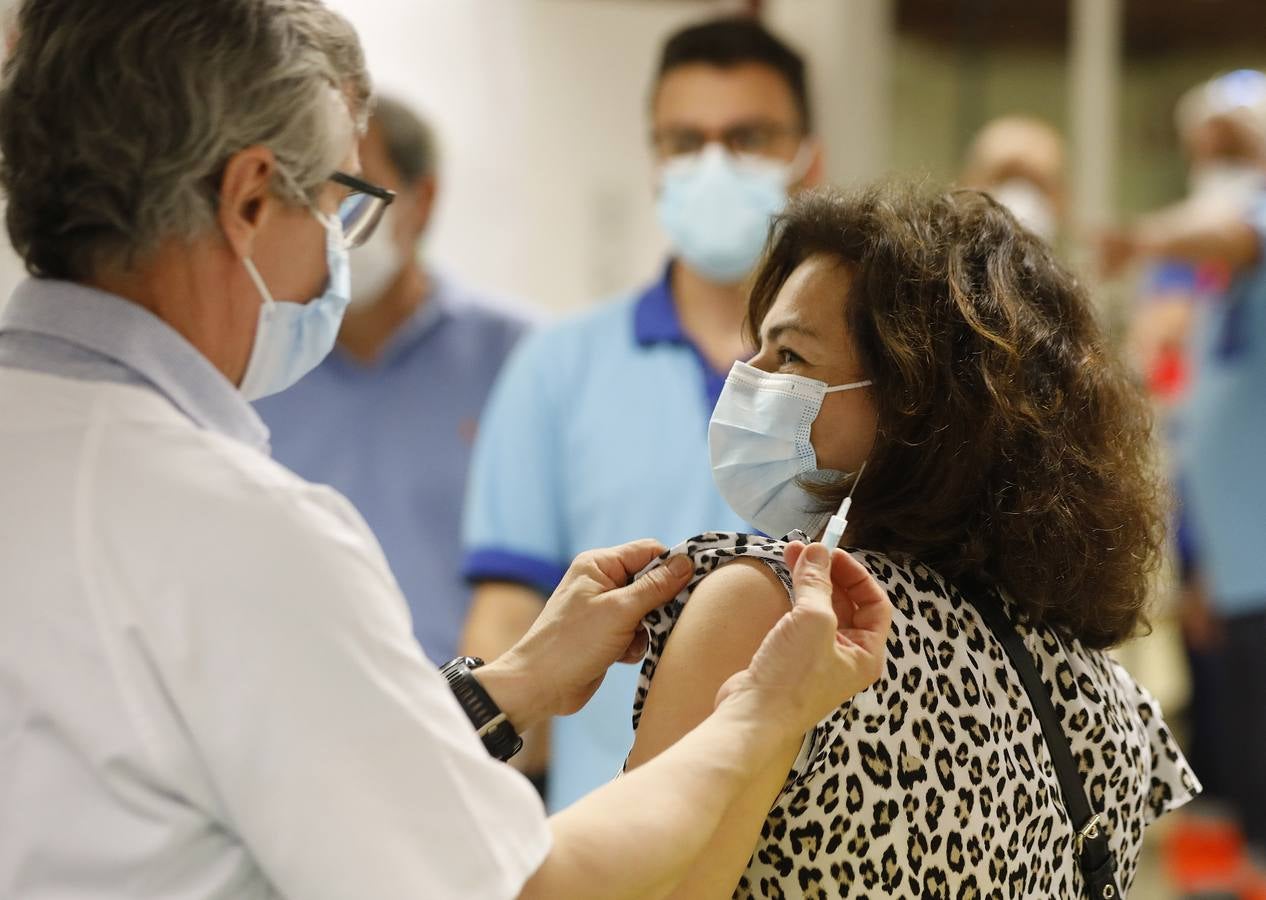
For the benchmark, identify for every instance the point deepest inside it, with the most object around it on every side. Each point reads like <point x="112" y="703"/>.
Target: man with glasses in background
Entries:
<point x="389" y="417"/>
<point x="597" y="428"/>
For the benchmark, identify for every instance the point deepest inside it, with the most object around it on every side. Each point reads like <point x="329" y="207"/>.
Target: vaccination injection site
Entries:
<point x="632" y="449"/>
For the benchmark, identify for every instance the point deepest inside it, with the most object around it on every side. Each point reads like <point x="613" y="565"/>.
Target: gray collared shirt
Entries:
<point x="67" y="329"/>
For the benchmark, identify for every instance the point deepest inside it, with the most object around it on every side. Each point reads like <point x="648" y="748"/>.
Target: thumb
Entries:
<point x="812" y="578"/>
<point x="655" y="588"/>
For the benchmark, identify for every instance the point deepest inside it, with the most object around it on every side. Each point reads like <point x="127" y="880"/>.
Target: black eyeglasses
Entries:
<point x="362" y="209"/>
<point x="757" y="138"/>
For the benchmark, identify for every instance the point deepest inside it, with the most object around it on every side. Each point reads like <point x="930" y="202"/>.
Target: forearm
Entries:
<point x="639" y="836"/>
<point x="1198" y="238"/>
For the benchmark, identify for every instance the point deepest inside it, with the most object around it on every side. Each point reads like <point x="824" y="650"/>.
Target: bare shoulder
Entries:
<point x="746" y="593"/>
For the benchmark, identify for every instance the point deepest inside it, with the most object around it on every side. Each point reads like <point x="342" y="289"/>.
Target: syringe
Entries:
<point x="839" y="521"/>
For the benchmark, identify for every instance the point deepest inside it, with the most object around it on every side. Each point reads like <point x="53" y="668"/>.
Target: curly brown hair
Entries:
<point x="1012" y="446"/>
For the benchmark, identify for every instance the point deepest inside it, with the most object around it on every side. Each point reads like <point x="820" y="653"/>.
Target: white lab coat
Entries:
<point x="208" y="685"/>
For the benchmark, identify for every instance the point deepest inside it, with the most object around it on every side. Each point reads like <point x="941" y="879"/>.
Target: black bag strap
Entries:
<point x="1094" y="856"/>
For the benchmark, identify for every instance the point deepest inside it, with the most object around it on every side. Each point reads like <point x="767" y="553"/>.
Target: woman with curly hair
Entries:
<point x="1007" y="461"/>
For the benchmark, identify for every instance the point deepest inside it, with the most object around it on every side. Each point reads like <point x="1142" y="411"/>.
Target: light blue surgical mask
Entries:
<point x="716" y="208"/>
<point x="759" y="441"/>
<point x="291" y="339"/>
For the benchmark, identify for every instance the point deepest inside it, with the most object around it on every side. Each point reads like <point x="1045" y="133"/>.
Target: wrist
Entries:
<point x="754" y="729"/>
<point x="759" y="718"/>
<point x="513" y="689"/>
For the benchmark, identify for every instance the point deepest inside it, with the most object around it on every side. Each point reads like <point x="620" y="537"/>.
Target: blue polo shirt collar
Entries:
<point x="655" y="321"/>
<point x="435" y="308"/>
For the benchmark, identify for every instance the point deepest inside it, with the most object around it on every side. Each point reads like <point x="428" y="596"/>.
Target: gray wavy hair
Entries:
<point x="117" y="118"/>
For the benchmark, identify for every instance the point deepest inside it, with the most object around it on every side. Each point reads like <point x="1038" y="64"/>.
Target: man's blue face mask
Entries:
<point x="716" y="208"/>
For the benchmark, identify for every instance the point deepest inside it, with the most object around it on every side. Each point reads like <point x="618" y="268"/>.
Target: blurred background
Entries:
<point x="540" y="107"/>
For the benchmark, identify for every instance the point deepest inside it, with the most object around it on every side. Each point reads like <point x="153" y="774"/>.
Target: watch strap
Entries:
<point x="491" y="724"/>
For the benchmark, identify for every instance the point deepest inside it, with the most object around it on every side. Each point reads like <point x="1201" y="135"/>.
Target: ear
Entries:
<point x="246" y="198"/>
<point x="421" y="197"/>
<point x="815" y="172"/>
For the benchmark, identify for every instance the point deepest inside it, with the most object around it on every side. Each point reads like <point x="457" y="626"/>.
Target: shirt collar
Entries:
<point x="131" y="335"/>
<point x="655" y="319"/>
<point x="434" y="309"/>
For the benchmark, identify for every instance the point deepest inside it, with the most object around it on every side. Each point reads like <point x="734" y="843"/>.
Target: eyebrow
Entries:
<point x="793" y="327"/>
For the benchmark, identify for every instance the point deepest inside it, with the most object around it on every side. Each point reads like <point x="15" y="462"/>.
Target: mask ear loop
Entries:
<point x="265" y="294"/>
<point x="849" y="387"/>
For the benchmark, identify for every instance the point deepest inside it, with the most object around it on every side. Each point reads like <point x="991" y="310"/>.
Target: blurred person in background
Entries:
<point x="389" y="417"/>
<point x="1019" y="161"/>
<point x="597" y="428"/>
<point x="1221" y="124"/>
<point x="1210" y="248"/>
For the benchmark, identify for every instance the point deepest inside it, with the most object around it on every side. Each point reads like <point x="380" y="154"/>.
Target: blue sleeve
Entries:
<point x="514" y="525"/>
<point x="1184" y="539"/>
<point x="1170" y="277"/>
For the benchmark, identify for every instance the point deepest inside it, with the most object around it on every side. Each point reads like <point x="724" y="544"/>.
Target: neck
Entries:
<point x="172" y="284"/>
<point x="712" y="316"/>
<point x="367" y="329"/>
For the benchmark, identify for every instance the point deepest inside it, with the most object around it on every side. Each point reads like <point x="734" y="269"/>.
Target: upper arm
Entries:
<point x="513" y="527"/>
<point x="717" y="634"/>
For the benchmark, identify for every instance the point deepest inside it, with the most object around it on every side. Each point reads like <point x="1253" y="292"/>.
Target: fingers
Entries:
<point x="862" y="611"/>
<point x="653" y="589"/>
<point x="849" y="574"/>
<point x="637" y="647"/>
<point x="620" y="564"/>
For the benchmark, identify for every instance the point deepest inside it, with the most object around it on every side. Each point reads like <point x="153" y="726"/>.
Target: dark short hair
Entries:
<point x="409" y="140"/>
<point x="733" y="41"/>
<point x="1012" y="446"/>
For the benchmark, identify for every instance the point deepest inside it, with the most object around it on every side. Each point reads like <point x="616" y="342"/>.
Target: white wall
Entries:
<point x="849" y="46"/>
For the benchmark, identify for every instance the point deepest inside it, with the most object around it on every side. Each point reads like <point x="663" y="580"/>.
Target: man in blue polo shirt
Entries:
<point x="597" y="429"/>
<point x="389" y="417"/>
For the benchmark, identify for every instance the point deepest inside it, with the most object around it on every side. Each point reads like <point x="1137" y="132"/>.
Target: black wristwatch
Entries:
<point x="494" y="729"/>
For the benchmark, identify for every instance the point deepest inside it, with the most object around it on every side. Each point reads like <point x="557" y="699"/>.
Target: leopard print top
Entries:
<point x="936" y="782"/>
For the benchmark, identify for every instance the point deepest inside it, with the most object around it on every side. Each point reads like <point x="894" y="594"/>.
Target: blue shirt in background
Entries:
<point x="596" y="434"/>
<point x="1223" y="442"/>
<point x="395" y="438"/>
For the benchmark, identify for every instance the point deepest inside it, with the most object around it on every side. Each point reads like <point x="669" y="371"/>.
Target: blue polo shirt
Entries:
<point x="1223" y="442"/>
<point x="596" y="434"/>
<point x="395" y="437"/>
